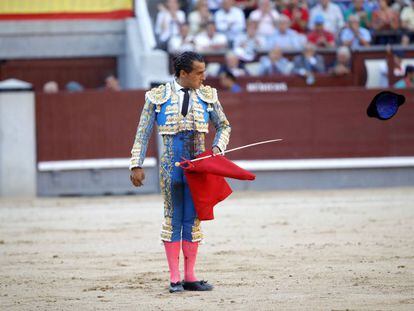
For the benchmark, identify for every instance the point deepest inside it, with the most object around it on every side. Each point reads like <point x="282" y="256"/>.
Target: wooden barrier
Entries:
<point x="317" y="123"/>
<point x="89" y="72"/>
<point x="321" y="80"/>
<point x="88" y="125"/>
<point x="314" y="123"/>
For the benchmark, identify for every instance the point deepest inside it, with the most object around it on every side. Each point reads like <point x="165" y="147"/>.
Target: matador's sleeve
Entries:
<point x="144" y="130"/>
<point x="222" y="126"/>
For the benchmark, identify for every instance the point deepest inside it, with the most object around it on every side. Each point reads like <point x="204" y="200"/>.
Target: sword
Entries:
<point x="234" y="149"/>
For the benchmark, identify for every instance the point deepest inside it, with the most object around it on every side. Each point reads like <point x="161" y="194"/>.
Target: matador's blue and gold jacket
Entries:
<point x="161" y="106"/>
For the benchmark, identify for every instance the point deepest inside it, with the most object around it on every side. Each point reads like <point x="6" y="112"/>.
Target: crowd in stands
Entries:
<point x="111" y="83"/>
<point x="264" y="30"/>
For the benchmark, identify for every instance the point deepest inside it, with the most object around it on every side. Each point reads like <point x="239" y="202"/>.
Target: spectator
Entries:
<point x="342" y="64"/>
<point x="332" y="14"/>
<point x="398" y="5"/>
<point x="199" y="17"/>
<point x="230" y="20"/>
<point x="298" y="15"/>
<point x="407" y="17"/>
<point x="51" y="87"/>
<point x="359" y="8"/>
<point x="233" y="65"/>
<point x="181" y="42"/>
<point x="285" y="37"/>
<point x="405" y="40"/>
<point x="385" y="18"/>
<point x="355" y="36"/>
<point x="112" y="83"/>
<point x="247" y="6"/>
<point x="214" y="5"/>
<point x="319" y="36"/>
<point x="210" y="40"/>
<point x="308" y="62"/>
<point x="408" y="81"/>
<point x="74" y="86"/>
<point x="228" y="82"/>
<point x="266" y="18"/>
<point x="275" y="63"/>
<point x="246" y="45"/>
<point x="398" y="68"/>
<point x="169" y="19"/>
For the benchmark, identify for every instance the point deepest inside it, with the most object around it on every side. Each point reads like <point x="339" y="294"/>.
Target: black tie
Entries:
<point x="186" y="100"/>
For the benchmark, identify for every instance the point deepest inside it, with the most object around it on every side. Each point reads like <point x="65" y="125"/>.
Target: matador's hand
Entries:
<point x="216" y="150"/>
<point x="137" y="176"/>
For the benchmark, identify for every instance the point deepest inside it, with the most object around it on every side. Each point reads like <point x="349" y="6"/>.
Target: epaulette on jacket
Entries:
<point x="159" y="95"/>
<point x="207" y="94"/>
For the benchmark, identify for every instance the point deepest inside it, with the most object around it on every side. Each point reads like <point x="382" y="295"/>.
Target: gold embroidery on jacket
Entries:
<point x="207" y="94"/>
<point x="172" y="119"/>
<point x="171" y="109"/>
<point x="198" y="116"/>
<point x="159" y="95"/>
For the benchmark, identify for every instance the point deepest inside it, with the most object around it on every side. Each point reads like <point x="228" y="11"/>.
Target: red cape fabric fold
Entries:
<point x="207" y="183"/>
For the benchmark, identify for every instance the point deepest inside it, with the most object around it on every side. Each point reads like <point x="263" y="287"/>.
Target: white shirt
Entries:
<point x="407" y="16"/>
<point x="178" y="45"/>
<point x="166" y="27"/>
<point x="203" y="43"/>
<point x="196" y="23"/>
<point x="231" y="23"/>
<point x="180" y="94"/>
<point x="214" y="4"/>
<point x="334" y="19"/>
<point x="265" y="24"/>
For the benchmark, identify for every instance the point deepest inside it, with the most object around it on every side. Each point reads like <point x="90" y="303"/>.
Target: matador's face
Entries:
<point x="196" y="77"/>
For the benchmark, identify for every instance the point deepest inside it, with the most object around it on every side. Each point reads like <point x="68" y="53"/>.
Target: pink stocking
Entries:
<point x="190" y="255"/>
<point x="172" y="250"/>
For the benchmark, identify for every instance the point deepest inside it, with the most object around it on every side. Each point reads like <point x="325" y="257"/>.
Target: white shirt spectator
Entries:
<point x="289" y="40"/>
<point x="166" y="26"/>
<point x="199" y="17"/>
<point x="214" y="5"/>
<point x="247" y="44"/>
<point x="182" y="42"/>
<point x="407" y="17"/>
<point x="333" y="17"/>
<point x="231" y="23"/>
<point x="265" y="23"/>
<point x="206" y="43"/>
<point x="348" y="37"/>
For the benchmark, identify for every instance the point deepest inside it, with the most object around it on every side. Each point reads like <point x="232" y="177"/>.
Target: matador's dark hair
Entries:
<point x="184" y="61"/>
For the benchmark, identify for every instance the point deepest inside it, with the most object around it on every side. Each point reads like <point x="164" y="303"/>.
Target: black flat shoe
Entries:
<point x="197" y="286"/>
<point x="176" y="287"/>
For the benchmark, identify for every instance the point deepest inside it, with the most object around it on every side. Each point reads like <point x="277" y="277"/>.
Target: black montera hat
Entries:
<point x="385" y="105"/>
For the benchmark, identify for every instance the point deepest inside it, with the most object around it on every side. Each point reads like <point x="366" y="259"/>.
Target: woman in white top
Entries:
<point x="199" y="17"/>
<point x="266" y="18"/>
<point x="169" y="19"/>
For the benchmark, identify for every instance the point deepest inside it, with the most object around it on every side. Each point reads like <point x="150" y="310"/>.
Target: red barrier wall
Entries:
<point x="89" y="72"/>
<point x="88" y="125"/>
<point x="317" y="123"/>
<point x="314" y="123"/>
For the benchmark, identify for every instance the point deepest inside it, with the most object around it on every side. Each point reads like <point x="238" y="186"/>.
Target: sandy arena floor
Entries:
<point x="319" y="250"/>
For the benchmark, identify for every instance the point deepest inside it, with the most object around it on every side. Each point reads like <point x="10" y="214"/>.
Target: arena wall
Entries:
<point x="314" y="124"/>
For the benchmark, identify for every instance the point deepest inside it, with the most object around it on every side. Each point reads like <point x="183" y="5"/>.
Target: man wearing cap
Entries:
<point x="182" y="110"/>
<point x="408" y="80"/>
<point x="319" y="36"/>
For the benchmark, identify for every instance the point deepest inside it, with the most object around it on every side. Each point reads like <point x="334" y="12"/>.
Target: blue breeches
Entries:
<point x="181" y="222"/>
